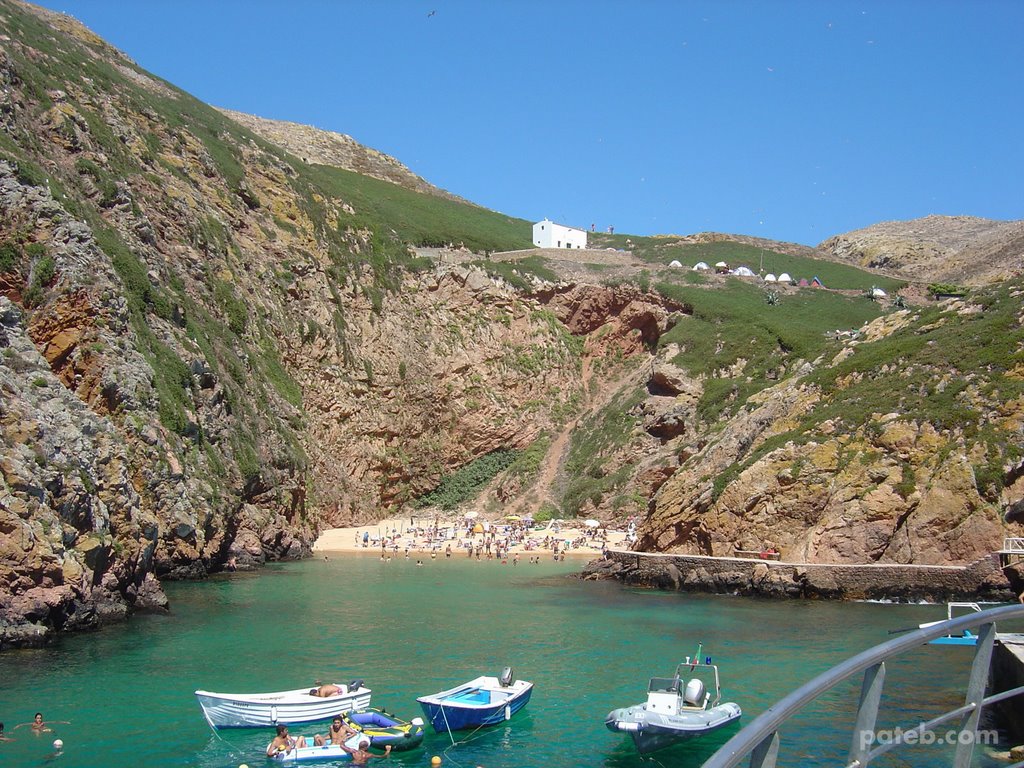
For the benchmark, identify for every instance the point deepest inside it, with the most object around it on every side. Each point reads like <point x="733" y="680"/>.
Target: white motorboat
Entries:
<point x="676" y="711"/>
<point x="255" y="710"/>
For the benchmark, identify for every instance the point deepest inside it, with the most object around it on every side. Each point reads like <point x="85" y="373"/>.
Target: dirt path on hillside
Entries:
<point x="543" y="488"/>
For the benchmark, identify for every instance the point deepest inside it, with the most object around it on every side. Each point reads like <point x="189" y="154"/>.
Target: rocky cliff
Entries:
<point x="962" y="250"/>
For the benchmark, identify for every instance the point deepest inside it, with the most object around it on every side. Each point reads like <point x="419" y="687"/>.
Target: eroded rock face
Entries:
<point x="958" y="249"/>
<point x="865" y="497"/>
<point x="76" y="546"/>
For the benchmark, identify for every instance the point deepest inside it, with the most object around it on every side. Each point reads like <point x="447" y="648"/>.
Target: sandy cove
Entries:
<point x="572" y="541"/>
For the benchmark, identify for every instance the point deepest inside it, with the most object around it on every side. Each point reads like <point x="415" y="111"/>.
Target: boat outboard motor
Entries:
<point x="694" y="695"/>
<point x="355" y="685"/>
<point x="506" y="677"/>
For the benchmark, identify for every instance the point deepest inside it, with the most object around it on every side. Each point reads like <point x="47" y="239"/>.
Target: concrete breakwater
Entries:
<point x="981" y="580"/>
<point x="1007" y="673"/>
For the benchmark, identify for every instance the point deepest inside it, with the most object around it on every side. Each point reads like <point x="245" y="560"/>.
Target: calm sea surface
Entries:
<point x="589" y="647"/>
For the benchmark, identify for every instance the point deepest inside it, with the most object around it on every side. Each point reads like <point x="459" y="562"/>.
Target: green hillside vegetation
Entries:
<point x="662" y="251"/>
<point x="735" y="322"/>
<point x="421" y="219"/>
<point x="945" y="368"/>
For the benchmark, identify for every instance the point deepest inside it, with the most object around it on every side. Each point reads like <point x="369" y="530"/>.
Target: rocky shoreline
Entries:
<point x="982" y="580"/>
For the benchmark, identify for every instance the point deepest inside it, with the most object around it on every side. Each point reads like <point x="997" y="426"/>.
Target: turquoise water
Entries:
<point x="588" y="647"/>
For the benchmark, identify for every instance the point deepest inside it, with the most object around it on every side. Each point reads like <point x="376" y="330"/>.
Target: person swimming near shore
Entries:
<point x="42" y="726"/>
<point x="363" y="755"/>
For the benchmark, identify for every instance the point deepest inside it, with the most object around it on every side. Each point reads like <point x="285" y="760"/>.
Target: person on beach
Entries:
<point x="338" y="733"/>
<point x="362" y="755"/>
<point x="283" y="742"/>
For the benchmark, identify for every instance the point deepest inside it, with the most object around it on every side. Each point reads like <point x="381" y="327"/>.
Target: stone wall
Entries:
<point x="982" y="580"/>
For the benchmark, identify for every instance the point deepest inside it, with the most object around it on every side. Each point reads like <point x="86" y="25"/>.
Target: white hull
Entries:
<point x="255" y="710"/>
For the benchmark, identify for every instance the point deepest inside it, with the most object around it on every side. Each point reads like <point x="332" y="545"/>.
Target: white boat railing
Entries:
<point x="760" y="739"/>
<point x="1013" y="545"/>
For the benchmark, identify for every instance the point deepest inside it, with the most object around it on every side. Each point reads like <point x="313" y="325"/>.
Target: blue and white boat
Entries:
<point x="484" y="700"/>
<point x="954" y="611"/>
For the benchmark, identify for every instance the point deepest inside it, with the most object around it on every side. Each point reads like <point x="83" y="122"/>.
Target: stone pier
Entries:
<point x="1008" y="672"/>
<point x="981" y="580"/>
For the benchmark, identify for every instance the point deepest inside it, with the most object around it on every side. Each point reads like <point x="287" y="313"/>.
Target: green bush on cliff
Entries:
<point x="10" y="256"/>
<point x="467" y="481"/>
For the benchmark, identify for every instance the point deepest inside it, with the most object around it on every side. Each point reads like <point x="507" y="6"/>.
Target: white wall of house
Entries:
<point x="547" y="234"/>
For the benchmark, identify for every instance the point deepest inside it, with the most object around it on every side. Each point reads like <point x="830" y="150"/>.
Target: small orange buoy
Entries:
<point x="435" y="760"/>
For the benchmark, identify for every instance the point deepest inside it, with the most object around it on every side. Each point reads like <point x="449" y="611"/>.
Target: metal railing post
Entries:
<point x="975" y="695"/>
<point x="867" y="713"/>
<point x="766" y="753"/>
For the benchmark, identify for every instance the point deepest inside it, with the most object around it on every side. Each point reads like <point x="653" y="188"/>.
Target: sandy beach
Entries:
<point x="416" y="535"/>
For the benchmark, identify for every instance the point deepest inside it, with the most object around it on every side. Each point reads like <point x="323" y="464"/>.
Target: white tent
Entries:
<point x="674" y="263"/>
<point x="878" y="293"/>
<point x="785" y="278"/>
<point x="700" y="266"/>
<point x="720" y="265"/>
<point x="769" y="278"/>
<point x="744" y="272"/>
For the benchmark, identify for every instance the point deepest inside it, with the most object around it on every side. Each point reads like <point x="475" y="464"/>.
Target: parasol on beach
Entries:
<point x="513" y="517"/>
<point x="470" y="515"/>
<point x="592" y="523"/>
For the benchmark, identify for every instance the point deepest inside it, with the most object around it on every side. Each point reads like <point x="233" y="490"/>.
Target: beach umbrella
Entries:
<point x="513" y="517"/>
<point x="470" y="515"/>
<point x="591" y="523"/>
<point x="478" y="528"/>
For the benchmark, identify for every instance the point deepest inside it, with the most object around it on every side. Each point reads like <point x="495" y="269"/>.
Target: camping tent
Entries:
<point x="674" y="263"/>
<point x="769" y="278"/>
<point x="878" y="293"/>
<point x="785" y="278"/>
<point x="744" y="272"/>
<point x="700" y="266"/>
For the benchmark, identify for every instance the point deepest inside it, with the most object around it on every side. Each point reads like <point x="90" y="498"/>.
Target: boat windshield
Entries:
<point x="665" y="685"/>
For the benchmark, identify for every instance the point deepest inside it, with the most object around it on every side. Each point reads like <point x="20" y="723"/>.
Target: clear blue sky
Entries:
<point x="790" y="120"/>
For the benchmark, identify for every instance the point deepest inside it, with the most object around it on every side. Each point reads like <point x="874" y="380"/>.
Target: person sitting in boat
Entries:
<point x="362" y="755"/>
<point x="323" y="691"/>
<point x="283" y="742"/>
<point x="338" y="733"/>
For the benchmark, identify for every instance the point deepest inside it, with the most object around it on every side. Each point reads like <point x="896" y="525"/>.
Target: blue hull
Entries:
<point x="453" y="716"/>
<point x="966" y="639"/>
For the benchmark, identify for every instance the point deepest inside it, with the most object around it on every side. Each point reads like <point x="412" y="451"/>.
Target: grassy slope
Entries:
<point x="662" y="251"/>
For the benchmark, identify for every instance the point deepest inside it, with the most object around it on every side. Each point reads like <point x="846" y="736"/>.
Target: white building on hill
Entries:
<point x="547" y="234"/>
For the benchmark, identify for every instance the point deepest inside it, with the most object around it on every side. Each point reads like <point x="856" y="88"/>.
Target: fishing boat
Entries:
<point x="676" y="711"/>
<point x="484" y="700"/>
<point x="384" y="729"/>
<point x="955" y="610"/>
<point x="256" y="710"/>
